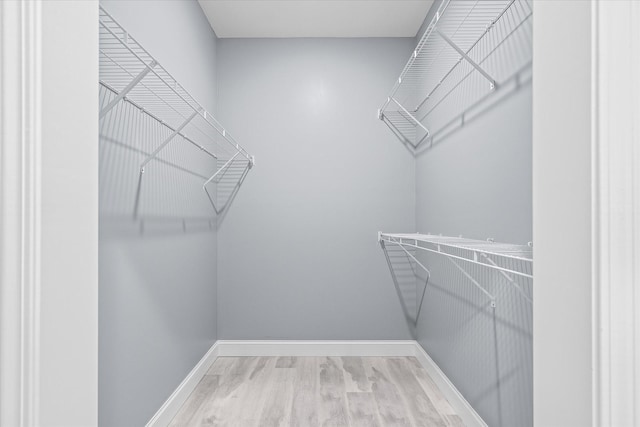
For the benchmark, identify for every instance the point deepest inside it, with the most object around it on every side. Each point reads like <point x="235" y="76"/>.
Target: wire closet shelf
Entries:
<point x="129" y="74"/>
<point x="468" y="50"/>
<point x="509" y="261"/>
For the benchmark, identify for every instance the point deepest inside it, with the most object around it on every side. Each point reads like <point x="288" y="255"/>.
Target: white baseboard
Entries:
<point x="457" y="401"/>
<point x="170" y="408"/>
<point x="317" y="348"/>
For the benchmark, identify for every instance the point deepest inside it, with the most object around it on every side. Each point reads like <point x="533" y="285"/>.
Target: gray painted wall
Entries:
<point x="298" y="256"/>
<point x="476" y="181"/>
<point x="157" y="281"/>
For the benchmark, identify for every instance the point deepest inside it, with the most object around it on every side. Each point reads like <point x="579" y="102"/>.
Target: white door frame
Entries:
<point x="616" y="213"/>
<point x="48" y="213"/>
<point x="19" y="217"/>
<point x="614" y="236"/>
<point x="586" y="158"/>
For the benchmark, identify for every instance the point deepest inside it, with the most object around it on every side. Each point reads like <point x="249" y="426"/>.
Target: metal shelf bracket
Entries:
<point x="416" y="316"/>
<point x="462" y="53"/>
<point x="127" y="89"/>
<point x="459" y="251"/>
<point x="465" y="44"/>
<point x="132" y="80"/>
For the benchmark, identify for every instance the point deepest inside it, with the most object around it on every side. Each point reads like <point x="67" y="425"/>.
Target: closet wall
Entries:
<point x="475" y="180"/>
<point x="477" y="183"/>
<point x="298" y="256"/>
<point x="295" y="256"/>
<point x="157" y="279"/>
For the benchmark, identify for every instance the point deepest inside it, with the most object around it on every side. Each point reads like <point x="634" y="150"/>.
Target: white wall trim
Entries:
<point x="20" y="202"/>
<point x="616" y="213"/>
<point x="172" y="405"/>
<point x="240" y="348"/>
<point x="48" y="317"/>
<point x="562" y="207"/>
<point x="316" y="348"/>
<point x="457" y="401"/>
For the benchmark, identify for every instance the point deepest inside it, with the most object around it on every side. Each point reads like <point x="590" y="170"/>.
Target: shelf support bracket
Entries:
<point x="395" y="282"/>
<point x="399" y="134"/>
<point x="409" y="254"/>
<point x="127" y="89"/>
<point x="168" y="140"/>
<point x="508" y="278"/>
<point x="223" y="170"/>
<point x="468" y="59"/>
<point x="153" y="155"/>
<point x="478" y="285"/>
<point x="225" y="166"/>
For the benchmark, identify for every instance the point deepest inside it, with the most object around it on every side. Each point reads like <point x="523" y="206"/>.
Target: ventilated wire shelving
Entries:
<point x="512" y="264"/>
<point x="132" y="81"/>
<point x="469" y="49"/>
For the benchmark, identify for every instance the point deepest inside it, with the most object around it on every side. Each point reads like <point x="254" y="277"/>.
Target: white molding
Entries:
<point x="562" y="221"/>
<point x="469" y="416"/>
<point x="172" y="405"/>
<point x="242" y="348"/>
<point x="615" y="210"/>
<point x="316" y="348"/>
<point x="43" y="317"/>
<point x="595" y="292"/>
<point x="20" y="208"/>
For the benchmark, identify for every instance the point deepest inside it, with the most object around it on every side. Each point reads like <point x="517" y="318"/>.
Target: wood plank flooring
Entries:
<point x="317" y="391"/>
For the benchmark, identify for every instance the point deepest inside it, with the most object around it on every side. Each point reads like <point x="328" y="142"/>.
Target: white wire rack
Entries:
<point x="509" y="261"/>
<point x="129" y="74"/>
<point x="468" y="49"/>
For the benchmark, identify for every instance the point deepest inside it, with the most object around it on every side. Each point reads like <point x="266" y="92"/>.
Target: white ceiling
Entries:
<point x="315" y="18"/>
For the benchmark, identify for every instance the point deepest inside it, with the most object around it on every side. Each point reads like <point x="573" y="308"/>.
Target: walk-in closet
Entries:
<point x="318" y="213"/>
<point x="342" y="212"/>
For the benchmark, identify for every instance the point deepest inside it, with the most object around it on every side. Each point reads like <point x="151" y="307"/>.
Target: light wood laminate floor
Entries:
<point x="316" y="391"/>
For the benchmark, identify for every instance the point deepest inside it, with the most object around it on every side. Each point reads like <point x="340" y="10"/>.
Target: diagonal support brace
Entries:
<point x="424" y="290"/>
<point x="413" y="257"/>
<point x="405" y="310"/>
<point x="220" y="170"/>
<point x="462" y="53"/>
<point x="223" y="170"/>
<point x="476" y="284"/>
<point x="168" y="140"/>
<point x="127" y="89"/>
<point x="509" y="279"/>
<point x="153" y="155"/>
